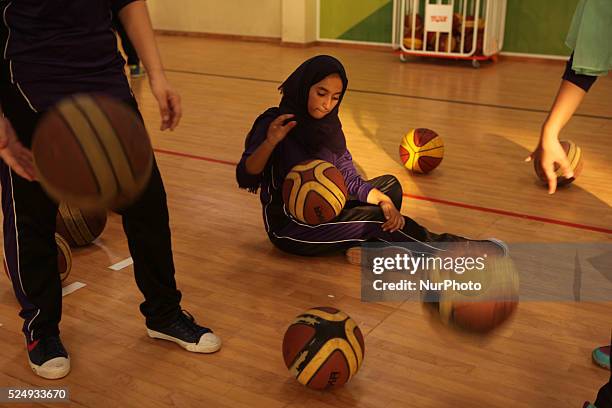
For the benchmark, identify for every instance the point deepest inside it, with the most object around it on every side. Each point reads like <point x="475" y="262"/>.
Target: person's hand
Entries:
<point x="14" y="154"/>
<point x="169" y="102"/>
<point x="277" y="130"/>
<point x="550" y="151"/>
<point x="395" y="220"/>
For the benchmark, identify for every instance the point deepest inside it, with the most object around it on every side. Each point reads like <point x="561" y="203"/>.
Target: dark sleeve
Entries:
<point x="355" y="185"/>
<point x="604" y="396"/>
<point x="583" y="81"/>
<point x="254" y="140"/>
<point x="117" y="5"/>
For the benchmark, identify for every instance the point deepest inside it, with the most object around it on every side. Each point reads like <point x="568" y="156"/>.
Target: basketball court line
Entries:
<point x="399" y="95"/>
<point x="122" y="264"/>
<point x="73" y="287"/>
<point x="435" y="200"/>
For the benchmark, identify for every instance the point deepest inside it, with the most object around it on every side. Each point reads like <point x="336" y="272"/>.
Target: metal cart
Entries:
<point x="458" y="29"/>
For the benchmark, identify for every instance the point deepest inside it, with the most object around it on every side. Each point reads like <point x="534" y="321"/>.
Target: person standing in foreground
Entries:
<point x="53" y="49"/>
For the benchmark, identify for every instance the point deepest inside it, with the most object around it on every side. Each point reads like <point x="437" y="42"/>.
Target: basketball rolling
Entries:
<point x="421" y="150"/>
<point x="314" y="192"/>
<point x="79" y="228"/>
<point x="92" y="152"/>
<point x="323" y="348"/>
<point x="481" y="311"/>
<point x="482" y="317"/>
<point x="574" y="155"/>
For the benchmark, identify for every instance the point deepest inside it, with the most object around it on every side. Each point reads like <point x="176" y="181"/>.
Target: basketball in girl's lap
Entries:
<point x="314" y="192"/>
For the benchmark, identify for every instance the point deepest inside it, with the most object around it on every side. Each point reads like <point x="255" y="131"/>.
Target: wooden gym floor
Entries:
<point x="233" y="280"/>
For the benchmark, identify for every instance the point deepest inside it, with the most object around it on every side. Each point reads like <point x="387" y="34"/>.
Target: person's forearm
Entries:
<point x="566" y="103"/>
<point x="376" y="196"/>
<point x="256" y="162"/>
<point x="137" y="24"/>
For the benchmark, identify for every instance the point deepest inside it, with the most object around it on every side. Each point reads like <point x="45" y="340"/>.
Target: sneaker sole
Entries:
<point x="51" y="373"/>
<point x="597" y="361"/>
<point x="195" y="348"/>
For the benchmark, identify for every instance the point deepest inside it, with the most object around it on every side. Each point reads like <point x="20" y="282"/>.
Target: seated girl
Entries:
<point x="306" y="126"/>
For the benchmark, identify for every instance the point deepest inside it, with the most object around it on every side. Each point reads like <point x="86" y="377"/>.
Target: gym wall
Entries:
<point x="261" y="18"/>
<point x="532" y="26"/>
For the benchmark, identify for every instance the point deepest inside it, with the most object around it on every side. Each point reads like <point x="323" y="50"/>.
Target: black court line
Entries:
<point x="399" y="95"/>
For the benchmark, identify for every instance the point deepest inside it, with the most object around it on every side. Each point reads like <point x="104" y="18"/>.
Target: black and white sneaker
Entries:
<point x="185" y="332"/>
<point x="48" y="357"/>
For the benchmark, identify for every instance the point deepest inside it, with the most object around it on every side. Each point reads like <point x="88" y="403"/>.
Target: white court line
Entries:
<point x="68" y="289"/>
<point x="122" y="264"/>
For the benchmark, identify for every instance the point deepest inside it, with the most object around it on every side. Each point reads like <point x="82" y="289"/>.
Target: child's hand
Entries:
<point x="277" y="130"/>
<point x="395" y="220"/>
<point x="168" y="100"/>
<point x="550" y="152"/>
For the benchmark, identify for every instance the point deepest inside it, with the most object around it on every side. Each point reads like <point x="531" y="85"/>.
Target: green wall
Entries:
<point x="532" y="26"/>
<point x="538" y="26"/>
<point x="356" y="20"/>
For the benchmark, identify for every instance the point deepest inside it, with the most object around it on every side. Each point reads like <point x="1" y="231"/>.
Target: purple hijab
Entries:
<point x="311" y="138"/>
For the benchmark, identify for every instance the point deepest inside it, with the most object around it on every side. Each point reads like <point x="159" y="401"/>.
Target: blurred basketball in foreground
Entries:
<point x="92" y="152"/>
<point x="478" y="299"/>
